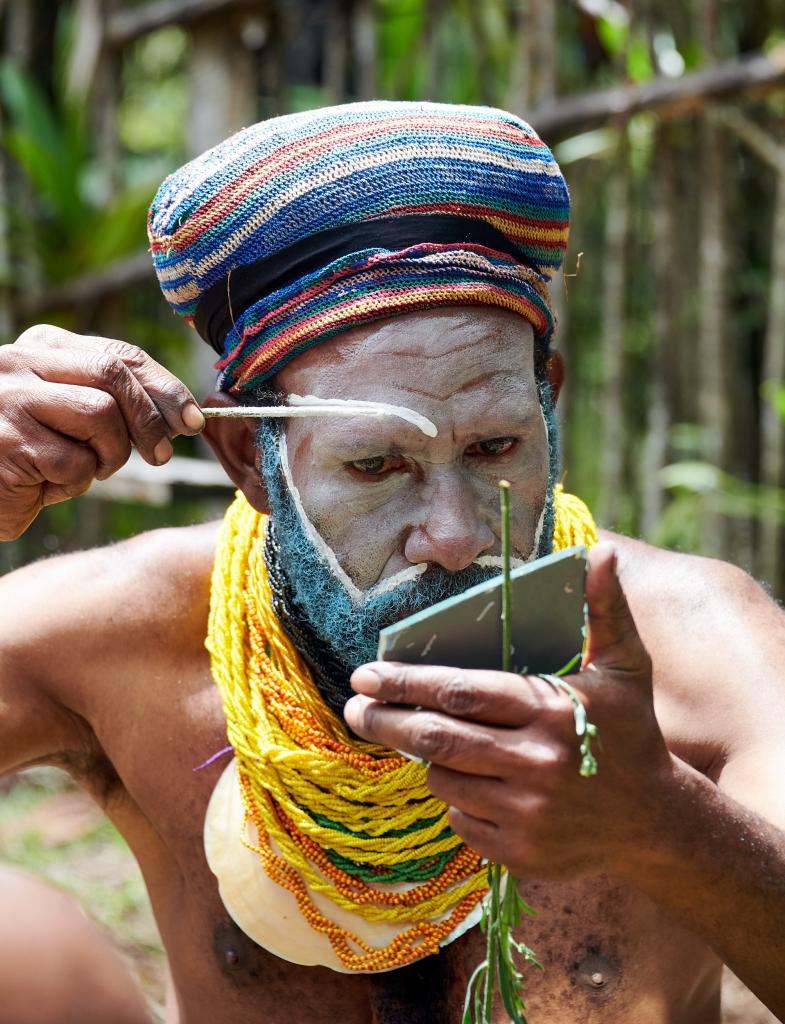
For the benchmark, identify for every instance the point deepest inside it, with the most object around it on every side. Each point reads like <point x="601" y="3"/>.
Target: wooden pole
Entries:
<point x="749" y="75"/>
<point x="655" y="445"/>
<point x="335" y="50"/>
<point x="770" y="560"/>
<point x="712" y="290"/>
<point x="612" y="433"/>
<point x="363" y="32"/>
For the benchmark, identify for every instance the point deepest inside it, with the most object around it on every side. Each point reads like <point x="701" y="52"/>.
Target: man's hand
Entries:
<point x="71" y="407"/>
<point x="504" y="755"/>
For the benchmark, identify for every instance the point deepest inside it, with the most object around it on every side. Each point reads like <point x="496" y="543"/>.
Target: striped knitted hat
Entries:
<point x="306" y="225"/>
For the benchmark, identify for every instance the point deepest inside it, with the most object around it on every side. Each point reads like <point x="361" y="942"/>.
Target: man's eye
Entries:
<point x="379" y="465"/>
<point x="494" y="446"/>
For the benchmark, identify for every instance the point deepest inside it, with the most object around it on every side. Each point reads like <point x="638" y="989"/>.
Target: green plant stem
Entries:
<point x="502" y="916"/>
<point x="495" y="871"/>
<point x="504" y="498"/>
<point x="495" y="874"/>
<point x="493" y="934"/>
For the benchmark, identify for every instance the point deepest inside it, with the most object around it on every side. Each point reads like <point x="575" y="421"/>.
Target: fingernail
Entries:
<point x="192" y="416"/>
<point x="352" y="711"/>
<point x="163" y="451"/>
<point x="365" y="680"/>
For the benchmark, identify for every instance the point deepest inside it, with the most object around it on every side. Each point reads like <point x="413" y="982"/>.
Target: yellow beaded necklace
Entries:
<point x="335" y="818"/>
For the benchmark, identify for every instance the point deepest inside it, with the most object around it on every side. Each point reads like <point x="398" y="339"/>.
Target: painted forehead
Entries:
<point x="435" y="354"/>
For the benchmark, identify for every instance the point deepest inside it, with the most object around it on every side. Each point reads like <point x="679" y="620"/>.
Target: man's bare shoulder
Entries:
<point x="652" y="575"/>
<point x="717" y="640"/>
<point x="76" y="617"/>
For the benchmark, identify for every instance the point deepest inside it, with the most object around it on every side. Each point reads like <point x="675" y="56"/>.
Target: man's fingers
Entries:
<point x="498" y="698"/>
<point x="46" y="467"/>
<point x="173" y="401"/>
<point x="614" y="641"/>
<point x="480" y="796"/>
<point x="145" y="425"/>
<point x="425" y="734"/>
<point x="88" y="415"/>
<point x="463" y="746"/>
<point x="86" y="370"/>
<point x="483" y="836"/>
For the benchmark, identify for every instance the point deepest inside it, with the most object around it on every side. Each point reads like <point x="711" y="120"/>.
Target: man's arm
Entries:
<point x="721" y="866"/>
<point x="71" y="407"/>
<point x="82" y="638"/>
<point x="35" y="726"/>
<point x="503" y="755"/>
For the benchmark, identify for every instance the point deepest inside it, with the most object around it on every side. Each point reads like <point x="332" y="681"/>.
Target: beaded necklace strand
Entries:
<point x="334" y="815"/>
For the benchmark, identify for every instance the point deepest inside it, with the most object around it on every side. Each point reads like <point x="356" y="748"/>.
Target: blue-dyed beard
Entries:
<point x="350" y="630"/>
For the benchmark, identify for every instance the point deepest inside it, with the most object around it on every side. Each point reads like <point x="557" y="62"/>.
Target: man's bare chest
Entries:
<point x="606" y="955"/>
<point x="607" y="952"/>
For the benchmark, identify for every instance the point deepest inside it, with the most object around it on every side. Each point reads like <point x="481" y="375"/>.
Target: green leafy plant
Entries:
<point x="77" y="226"/>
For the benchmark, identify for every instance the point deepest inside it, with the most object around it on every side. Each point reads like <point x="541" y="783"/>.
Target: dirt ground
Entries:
<point x="55" y="831"/>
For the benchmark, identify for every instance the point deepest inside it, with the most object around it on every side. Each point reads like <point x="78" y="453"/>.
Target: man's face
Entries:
<point x="382" y="495"/>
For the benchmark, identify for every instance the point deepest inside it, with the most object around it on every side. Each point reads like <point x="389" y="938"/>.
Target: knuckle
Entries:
<point x="41" y="334"/>
<point x="460" y="696"/>
<point x="110" y="462"/>
<point x="10" y="359"/>
<point x="58" y="464"/>
<point x="170" y="392"/>
<point x="125" y="352"/>
<point x="149" y="423"/>
<point x="549" y="757"/>
<point x="109" y="369"/>
<point x="398" y="685"/>
<point x="433" y="738"/>
<point x="556" y="713"/>
<point x="97" y="405"/>
<point x="70" y="465"/>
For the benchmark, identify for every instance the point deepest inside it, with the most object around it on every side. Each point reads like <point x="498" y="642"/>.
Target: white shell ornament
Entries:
<point x="268" y="913"/>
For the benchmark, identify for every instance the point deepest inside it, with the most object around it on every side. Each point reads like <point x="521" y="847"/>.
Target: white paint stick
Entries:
<point x="309" y="405"/>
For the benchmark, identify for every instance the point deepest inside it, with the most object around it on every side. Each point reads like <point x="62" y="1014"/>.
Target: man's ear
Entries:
<point x="555" y="372"/>
<point x="233" y="441"/>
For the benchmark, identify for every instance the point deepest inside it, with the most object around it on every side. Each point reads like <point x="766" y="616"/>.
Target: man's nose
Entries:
<point x="452" y="532"/>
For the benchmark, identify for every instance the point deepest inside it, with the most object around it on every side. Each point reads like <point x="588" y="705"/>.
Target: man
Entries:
<point x="397" y="254"/>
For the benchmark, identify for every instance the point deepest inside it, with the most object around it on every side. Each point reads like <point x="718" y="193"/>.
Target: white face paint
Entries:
<point x="321" y="545"/>
<point x="313" y="406"/>
<point x="391" y="582"/>
<point x="381" y="498"/>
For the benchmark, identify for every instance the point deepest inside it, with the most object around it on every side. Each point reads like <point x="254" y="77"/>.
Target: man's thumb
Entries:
<point x="613" y="636"/>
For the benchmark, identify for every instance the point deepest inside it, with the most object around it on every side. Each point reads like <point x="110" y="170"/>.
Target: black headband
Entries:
<point x="248" y="284"/>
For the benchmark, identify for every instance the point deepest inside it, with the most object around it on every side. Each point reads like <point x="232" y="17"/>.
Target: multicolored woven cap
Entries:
<point x="303" y="226"/>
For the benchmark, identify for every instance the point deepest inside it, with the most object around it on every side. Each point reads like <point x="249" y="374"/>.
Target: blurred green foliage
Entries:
<point x="77" y="227"/>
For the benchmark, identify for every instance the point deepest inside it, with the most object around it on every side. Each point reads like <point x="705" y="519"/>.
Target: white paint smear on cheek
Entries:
<point x="541" y="522"/>
<point x="497" y="562"/>
<point x="310" y="530"/>
<point x="538" y="533"/>
<point x="320" y="544"/>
